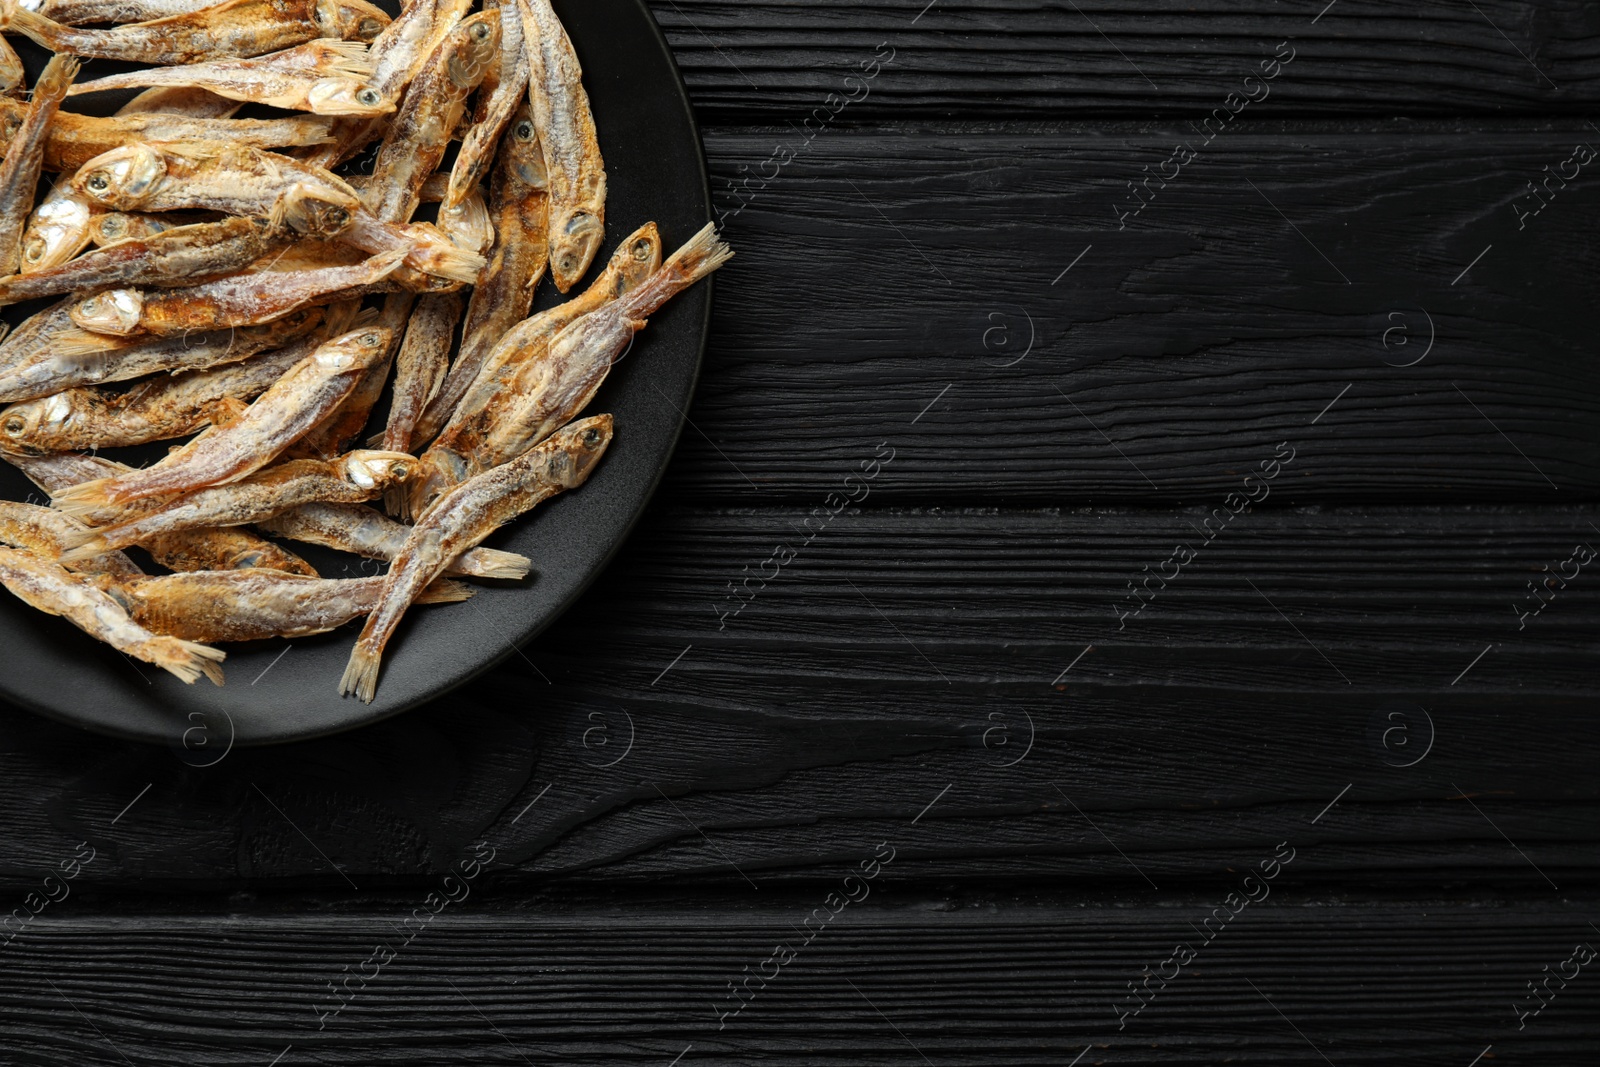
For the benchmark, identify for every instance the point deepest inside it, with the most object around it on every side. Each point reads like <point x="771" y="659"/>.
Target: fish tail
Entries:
<point x="85" y="498"/>
<point x="493" y="563"/>
<point x="14" y="18"/>
<point x="699" y="256"/>
<point x="444" y="591"/>
<point x="58" y="74"/>
<point x="187" y="659"/>
<point x="361" y="673"/>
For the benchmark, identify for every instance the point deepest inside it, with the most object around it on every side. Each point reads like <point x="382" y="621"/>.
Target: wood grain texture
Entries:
<point x="890" y="981"/>
<point x="760" y="59"/>
<point x="888" y="286"/>
<point x="899" y="663"/>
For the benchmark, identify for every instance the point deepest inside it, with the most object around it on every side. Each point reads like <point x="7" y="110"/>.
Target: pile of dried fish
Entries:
<point x="223" y="300"/>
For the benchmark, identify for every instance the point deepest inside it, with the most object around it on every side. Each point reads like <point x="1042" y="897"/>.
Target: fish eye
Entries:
<point x="591" y="437"/>
<point x="524" y="130"/>
<point x="113" y="226"/>
<point x="368" y="97"/>
<point x="37" y="247"/>
<point x="98" y="183"/>
<point x="16" y="424"/>
<point x="369" y="27"/>
<point x="480" y="32"/>
<point x="569" y="263"/>
<point x="641" y="249"/>
<point x="401" y="471"/>
<point x="370" y="340"/>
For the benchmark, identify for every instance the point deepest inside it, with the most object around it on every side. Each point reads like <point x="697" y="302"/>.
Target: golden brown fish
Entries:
<point x="421" y="129"/>
<point x="504" y="88"/>
<point x="19" y="173"/>
<point x="233" y="29"/>
<point x="350" y="479"/>
<point x="571" y="148"/>
<point x="464" y="517"/>
<point x="368" y="532"/>
<point x="323" y="77"/>
<point x="219" y="548"/>
<point x="215" y="606"/>
<point x="179" y="256"/>
<point x="341" y="427"/>
<point x="74" y="357"/>
<point x="236" y="300"/>
<point x="420" y="364"/>
<point x="293" y="404"/>
<point x="52" y="589"/>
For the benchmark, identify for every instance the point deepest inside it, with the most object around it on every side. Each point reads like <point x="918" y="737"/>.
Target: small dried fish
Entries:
<point x="79" y="12"/>
<point x="219" y="548"/>
<point x="179" y="256"/>
<point x="549" y="391"/>
<point x="247" y="181"/>
<point x="236" y="300"/>
<point x="504" y="292"/>
<point x="420" y="364"/>
<point x="251" y="605"/>
<point x="323" y="77"/>
<point x="341" y="427"/>
<point x="366" y="532"/>
<point x="571" y="147"/>
<point x="74" y="357"/>
<point x="468" y="225"/>
<point x="154" y="410"/>
<point x="420" y="131"/>
<point x="463" y="518"/>
<point x="503" y="90"/>
<point x="350" y="479"/>
<point x="46" y="532"/>
<point x="293" y="404"/>
<point x="52" y="589"/>
<point x="19" y="173"/>
<point x="232" y="29"/>
<point x="471" y="390"/>
<point x="75" y="139"/>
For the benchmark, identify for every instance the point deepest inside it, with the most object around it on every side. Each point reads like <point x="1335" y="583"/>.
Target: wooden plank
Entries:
<point x="982" y="58"/>
<point x="891" y="980"/>
<point x="1354" y="679"/>
<point x="973" y="299"/>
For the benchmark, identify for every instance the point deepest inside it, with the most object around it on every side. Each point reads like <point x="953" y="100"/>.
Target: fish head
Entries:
<point x="370" y="469"/>
<point x="352" y="351"/>
<point x="58" y="228"/>
<point x="475" y="45"/>
<point x="350" y="20"/>
<point x="115" y="311"/>
<point x="122" y="178"/>
<point x="524" y="156"/>
<point x="438" y="471"/>
<point x="346" y="96"/>
<point x="574" y="240"/>
<point x="577" y="449"/>
<point x="28" y="427"/>
<point x="636" y="258"/>
<point x="310" y="213"/>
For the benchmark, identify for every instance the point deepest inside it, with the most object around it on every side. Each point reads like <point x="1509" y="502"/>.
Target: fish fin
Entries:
<point x="353" y="58"/>
<point x="434" y="253"/>
<point x="444" y="591"/>
<point x="80" y="545"/>
<point x="74" y="343"/>
<point x="189" y="659"/>
<point x="361" y="674"/>
<point x="384" y="264"/>
<point x="493" y="563"/>
<point x="83" y="499"/>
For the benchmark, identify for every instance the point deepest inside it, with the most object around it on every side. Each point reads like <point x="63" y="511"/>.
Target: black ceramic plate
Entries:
<point x="283" y="691"/>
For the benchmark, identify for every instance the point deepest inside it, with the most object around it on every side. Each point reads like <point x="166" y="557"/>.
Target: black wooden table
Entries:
<point x="1124" y="596"/>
